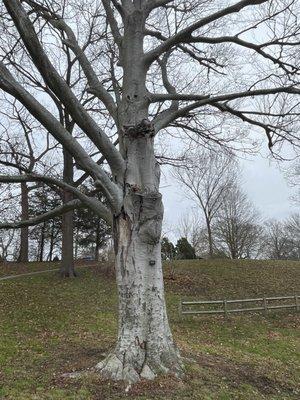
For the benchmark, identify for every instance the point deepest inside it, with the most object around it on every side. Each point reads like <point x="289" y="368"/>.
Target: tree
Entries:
<point x="236" y="230"/>
<point x="19" y="151"/>
<point x="277" y="244"/>
<point x="208" y="175"/>
<point x="293" y="228"/>
<point x="123" y="53"/>
<point x="282" y="238"/>
<point x="9" y="240"/>
<point x="46" y="237"/>
<point x="184" y="250"/>
<point x="167" y="249"/>
<point x="92" y="232"/>
<point x="190" y="227"/>
<point x="293" y="176"/>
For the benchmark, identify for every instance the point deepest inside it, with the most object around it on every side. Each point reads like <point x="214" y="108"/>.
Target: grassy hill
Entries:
<point x="50" y="326"/>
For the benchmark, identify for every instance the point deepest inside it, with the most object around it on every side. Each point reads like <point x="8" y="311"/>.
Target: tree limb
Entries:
<point x="11" y="86"/>
<point x="94" y="204"/>
<point x="201" y="101"/>
<point x="60" y="87"/>
<point x="56" y="212"/>
<point x="185" y="34"/>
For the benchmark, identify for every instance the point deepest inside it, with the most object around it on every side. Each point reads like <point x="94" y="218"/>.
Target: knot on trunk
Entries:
<point x="147" y="215"/>
<point x="144" y="129"/>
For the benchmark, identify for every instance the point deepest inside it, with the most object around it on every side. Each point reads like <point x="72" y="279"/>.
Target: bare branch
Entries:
<point x="185" y="34"/>
<point x="8" y="84"/>
<point x="56" y="212"/>
<point x="60" y="87"/>
<point x="91" y="202"/>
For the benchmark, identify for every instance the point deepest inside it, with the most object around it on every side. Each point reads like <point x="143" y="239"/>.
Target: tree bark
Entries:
<point x="210" y="239"/>
<point x="24" y="244"/>
<point x="67" y="261"/>
<point x="145" y="347"/>
<point x="50" y="255"/>
<point x="42" y="244"/>
<point x="97" y="245"/>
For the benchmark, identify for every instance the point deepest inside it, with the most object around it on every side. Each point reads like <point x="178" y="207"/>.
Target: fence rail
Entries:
<point x="187" y="307"/>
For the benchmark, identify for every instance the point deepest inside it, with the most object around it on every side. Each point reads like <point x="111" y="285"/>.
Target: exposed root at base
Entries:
<point x="113" y="368"/>
<point x="75" y="375"/>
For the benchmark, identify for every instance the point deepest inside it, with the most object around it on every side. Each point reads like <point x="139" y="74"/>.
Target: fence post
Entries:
<point x="265" y="305"/>
<point x="180" y="308"/>
<point x="297" y="302"/>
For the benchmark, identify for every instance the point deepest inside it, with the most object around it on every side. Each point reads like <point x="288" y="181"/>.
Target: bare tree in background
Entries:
<point x="236" y="229"/>
<point x="282" y="238"/>
<point x="207" y="177"/>
<point x="9" y="241"/>
<point x="294" y="179"/>
<point x="19" y="151"/>
<point x="140" y="68"/>
<point x="190" y="227"/>
<point x="277" y="243"/>
<point x="293" y="228"/>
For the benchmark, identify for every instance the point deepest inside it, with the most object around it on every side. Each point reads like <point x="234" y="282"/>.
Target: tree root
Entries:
<point x="116" y="368"/>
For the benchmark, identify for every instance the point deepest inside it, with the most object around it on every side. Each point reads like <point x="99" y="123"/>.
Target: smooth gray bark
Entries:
<point x="145" y="346"/>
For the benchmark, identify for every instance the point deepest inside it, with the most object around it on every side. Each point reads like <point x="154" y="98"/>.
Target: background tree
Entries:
<point x="293" y="175"/>
<point x="168" y="251"/>
<point x="18" y="150"/>
<point x="282" y="238"/>
<point x="207" y="176"/>
<point x="46" y="237"/>
<point x="184" y="250"/>
<point x="92" y="233"/>
<point x="191" y="227"/>
<point x="293" y="229"/>
<point x="236" y="229"/>
<point x="163" y="64"/>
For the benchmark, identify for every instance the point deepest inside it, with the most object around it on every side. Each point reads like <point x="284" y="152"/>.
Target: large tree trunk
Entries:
<point x="145" y="346"/>
<point x="23" y="255"/>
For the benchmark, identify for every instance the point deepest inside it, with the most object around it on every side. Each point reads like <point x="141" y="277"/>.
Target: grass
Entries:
<point x="50" y="326"/>
<point x="13" y="268"/>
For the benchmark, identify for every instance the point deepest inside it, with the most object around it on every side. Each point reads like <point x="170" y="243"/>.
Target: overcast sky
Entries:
<point x="261" y="180"/>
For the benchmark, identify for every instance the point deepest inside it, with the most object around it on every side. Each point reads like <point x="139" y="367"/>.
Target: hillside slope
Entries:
<point x="50" y="326"/>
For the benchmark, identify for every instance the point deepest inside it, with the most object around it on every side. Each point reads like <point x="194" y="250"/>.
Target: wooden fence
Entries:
<point x="262" y="304"/>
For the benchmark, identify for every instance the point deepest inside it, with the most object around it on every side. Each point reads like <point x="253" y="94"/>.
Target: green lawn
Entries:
<point x="50" y="326"/>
